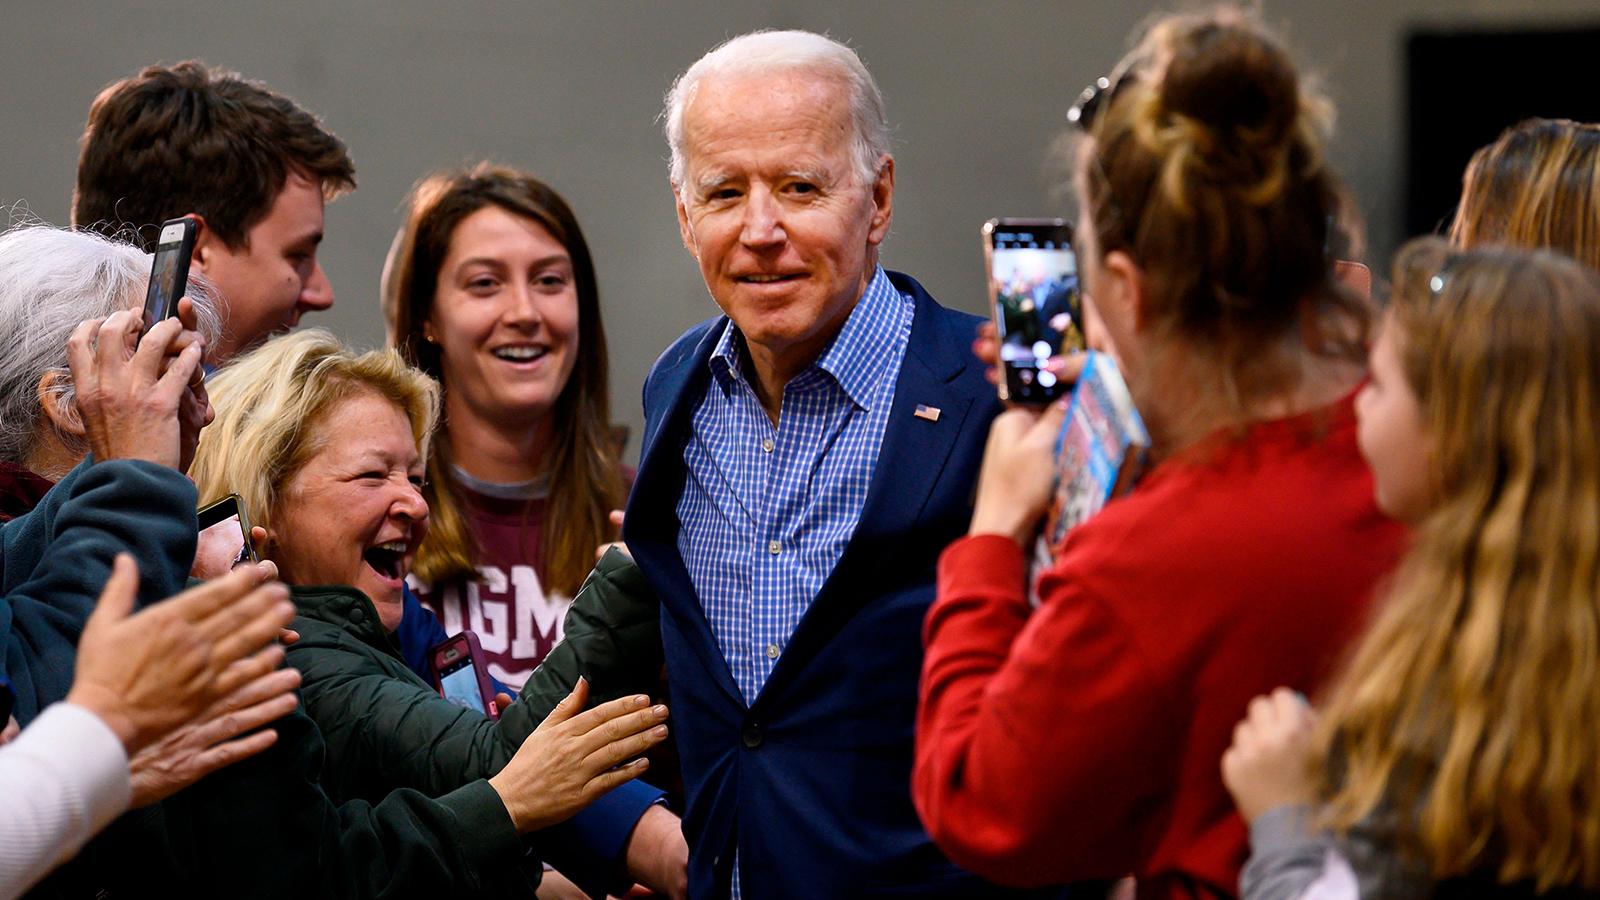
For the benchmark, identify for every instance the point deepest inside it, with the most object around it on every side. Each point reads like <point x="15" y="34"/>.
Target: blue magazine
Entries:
<point x="1100" y="452"/>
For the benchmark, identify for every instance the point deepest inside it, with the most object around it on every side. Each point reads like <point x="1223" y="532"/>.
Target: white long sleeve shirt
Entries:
<point x="64" y="778"/>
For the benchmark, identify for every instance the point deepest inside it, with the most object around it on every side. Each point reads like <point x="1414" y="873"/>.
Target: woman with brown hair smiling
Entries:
<point x="490" y="289"/>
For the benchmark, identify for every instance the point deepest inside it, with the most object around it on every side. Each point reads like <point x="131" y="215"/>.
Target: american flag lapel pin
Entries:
<point x="924" y="411"/>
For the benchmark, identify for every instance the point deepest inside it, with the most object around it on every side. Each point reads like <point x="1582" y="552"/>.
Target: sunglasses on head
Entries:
<point x="1095" y="98"/>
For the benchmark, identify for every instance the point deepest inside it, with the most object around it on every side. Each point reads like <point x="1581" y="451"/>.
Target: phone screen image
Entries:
<point x="1033" y="274"/>
<point x="224" y="536"/>
<point x="459" y="684"/>
<point x="163" y="281"/>
<point x="221" y="542"/>
<point x="169" y="271"/>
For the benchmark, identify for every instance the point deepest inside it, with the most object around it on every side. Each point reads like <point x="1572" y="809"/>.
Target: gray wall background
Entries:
<point x="570" y="90"/>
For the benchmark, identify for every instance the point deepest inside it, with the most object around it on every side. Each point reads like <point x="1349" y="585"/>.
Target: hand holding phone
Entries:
<point x="131" y="393"/>
<point x="1037" y="304"/>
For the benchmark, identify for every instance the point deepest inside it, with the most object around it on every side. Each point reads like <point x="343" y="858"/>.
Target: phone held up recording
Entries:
<point x="225" y="524"/>
<point x="462" y="675"/>
<point x="169" y="271"/>
<point x="1038" y="307"/>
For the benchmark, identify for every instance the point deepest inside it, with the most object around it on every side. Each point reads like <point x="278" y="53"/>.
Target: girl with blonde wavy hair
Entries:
<point x="1459" y="751"/>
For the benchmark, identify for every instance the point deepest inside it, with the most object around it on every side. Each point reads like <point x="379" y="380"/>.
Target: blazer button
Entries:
<point x="752" y="735"/>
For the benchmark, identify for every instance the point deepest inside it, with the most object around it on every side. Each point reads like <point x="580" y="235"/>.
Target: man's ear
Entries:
<point x="882" y="201"/>
<point x="206" y="244"/>
<point x="61" y="413"/>
<point x="685" y="231"/>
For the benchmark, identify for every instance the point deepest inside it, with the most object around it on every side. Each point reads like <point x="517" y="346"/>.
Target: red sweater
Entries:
<point x="1083" y="740"/>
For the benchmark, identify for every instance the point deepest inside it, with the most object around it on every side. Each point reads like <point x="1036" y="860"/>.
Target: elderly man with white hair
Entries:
<point x="806" y="456"/>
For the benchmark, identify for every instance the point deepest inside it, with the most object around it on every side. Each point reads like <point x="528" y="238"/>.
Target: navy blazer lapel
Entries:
<point x="651" y="527"/>
<point x="911" y="461"/>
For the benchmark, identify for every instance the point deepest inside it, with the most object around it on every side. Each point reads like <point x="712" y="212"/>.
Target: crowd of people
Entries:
<point x="1341" y="640"/>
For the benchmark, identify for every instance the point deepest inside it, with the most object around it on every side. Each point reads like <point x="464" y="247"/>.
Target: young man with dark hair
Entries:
<point x="246" y="162"/>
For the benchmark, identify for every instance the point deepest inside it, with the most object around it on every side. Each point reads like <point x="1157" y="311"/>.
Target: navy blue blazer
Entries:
<point x="811" y="781"/>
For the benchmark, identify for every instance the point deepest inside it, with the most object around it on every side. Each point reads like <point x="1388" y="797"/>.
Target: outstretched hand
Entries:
<point x="575" y="756"/>
<point x="147" y="673"/>
<point x="213" y="741"/>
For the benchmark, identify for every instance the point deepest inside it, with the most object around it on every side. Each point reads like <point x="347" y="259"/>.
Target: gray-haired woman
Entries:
<point x="52" y="279"/>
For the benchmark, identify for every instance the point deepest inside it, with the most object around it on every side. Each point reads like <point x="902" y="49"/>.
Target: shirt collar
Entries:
<point x="20" y="490"/>
<point x="854" y="358"/>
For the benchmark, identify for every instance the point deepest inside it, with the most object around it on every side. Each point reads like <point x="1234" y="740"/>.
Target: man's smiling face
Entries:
<point x="774" y="209"/>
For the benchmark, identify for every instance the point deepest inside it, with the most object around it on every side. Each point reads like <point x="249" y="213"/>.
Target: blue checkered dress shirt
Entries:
<point x="766" y="511"/>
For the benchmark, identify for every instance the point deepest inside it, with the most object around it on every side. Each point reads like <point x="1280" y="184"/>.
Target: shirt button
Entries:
<point x="772" y="651"/>
<point x="766" y="445"/>
<point x="774" y="547"/>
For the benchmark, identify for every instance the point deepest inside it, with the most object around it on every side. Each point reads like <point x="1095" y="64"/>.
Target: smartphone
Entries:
<point x="1038" y="309"/>
<point x="461" y="674"/>
<point x="224" y="527"/>
<point x="169" y="272"/>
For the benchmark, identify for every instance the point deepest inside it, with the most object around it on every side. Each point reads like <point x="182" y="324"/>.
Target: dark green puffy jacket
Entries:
<point x="259" y="828"/>
<point x="613" y="638"/>
<point x="385" y="726"/>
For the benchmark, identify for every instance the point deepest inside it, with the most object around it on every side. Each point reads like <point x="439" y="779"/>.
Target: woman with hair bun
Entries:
<point x="1080" y="739"/>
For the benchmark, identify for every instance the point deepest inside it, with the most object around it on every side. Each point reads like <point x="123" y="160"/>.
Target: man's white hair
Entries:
<point x="51" y="279"/>
<point x="786" y="51"/>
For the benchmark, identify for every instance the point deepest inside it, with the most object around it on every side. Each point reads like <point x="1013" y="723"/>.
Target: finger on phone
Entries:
<point x="81" y="348"/>
<point x="156" y="344"/>
<point x="1068" y="367"/>
<point x="187" y="315"/>
<point x="112" y="340"/>
<point x="181" y="373"/>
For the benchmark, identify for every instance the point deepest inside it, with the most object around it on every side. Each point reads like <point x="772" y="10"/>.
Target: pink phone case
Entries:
<point x="450" y="653"/>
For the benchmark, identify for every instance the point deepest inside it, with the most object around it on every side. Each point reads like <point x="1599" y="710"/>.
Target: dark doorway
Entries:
<point x="1467" y="86"/>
